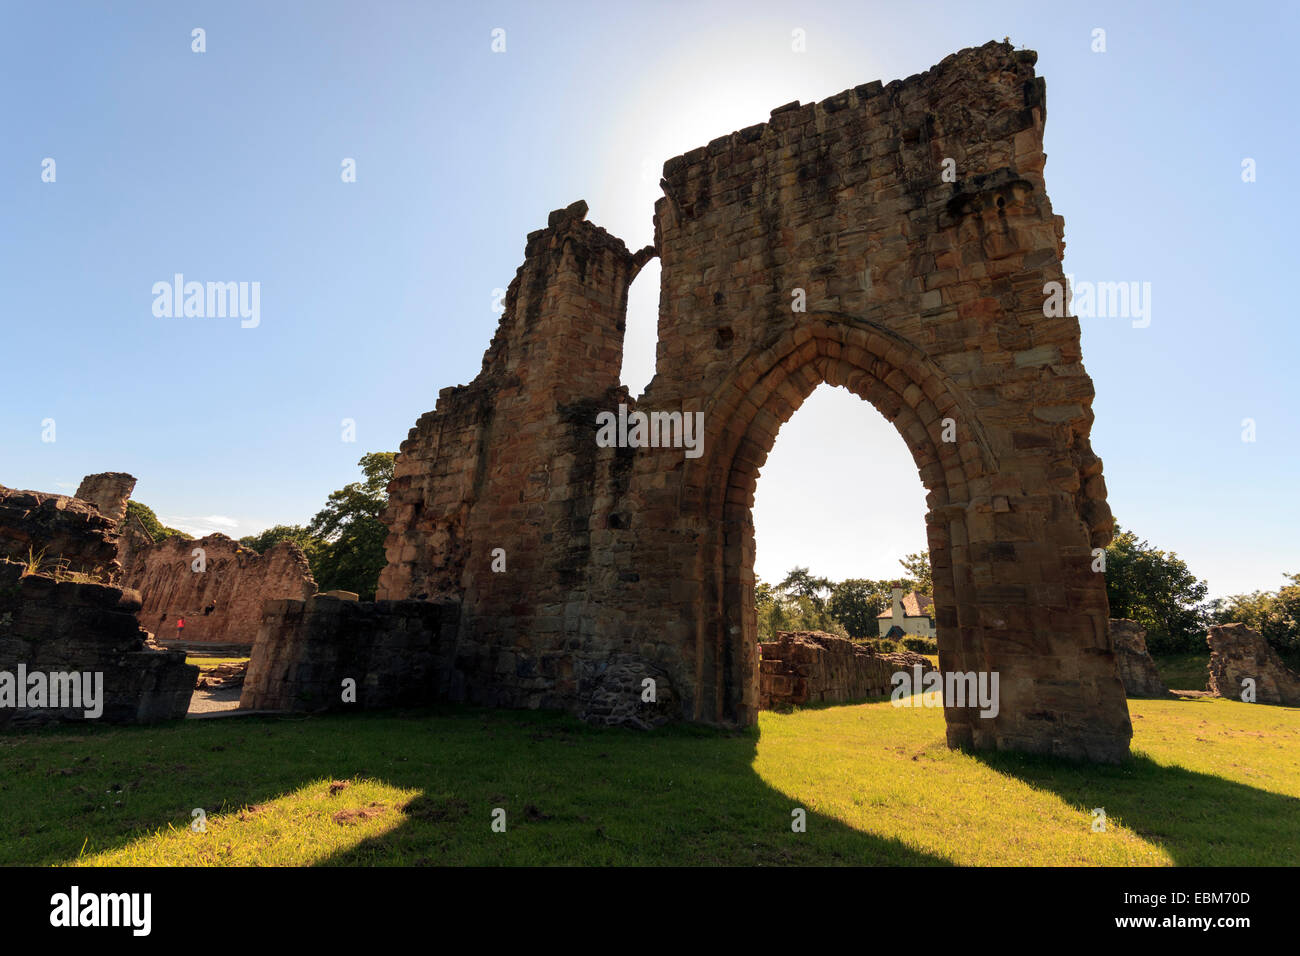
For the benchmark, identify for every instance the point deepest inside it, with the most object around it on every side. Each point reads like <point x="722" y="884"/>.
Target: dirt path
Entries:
<point x="209" y="700"/>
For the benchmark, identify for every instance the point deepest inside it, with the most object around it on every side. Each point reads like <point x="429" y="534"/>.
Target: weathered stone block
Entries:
<point x="1239" y="654"/>
<point x="397" y="653"/>
<point x="1136" y="668"/>
<point x="61" y="627"/>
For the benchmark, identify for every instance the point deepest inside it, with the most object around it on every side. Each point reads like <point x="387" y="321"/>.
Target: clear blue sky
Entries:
<point x="374" y="295"/>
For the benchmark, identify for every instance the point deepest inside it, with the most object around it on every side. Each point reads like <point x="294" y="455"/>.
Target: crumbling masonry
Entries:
<point x="921" y="293"/>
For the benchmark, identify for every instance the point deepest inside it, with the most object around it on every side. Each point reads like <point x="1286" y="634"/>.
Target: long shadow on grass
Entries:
<point x="572" y="793"/>
<point x="1198" y="818"/>
<point x="613" y="796"/>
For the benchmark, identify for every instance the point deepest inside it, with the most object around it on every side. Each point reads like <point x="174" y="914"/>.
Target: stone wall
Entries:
<point x="223" y="602"/>
<point x="132" y="538"/>
<point x="1237" y="652"/>
<point x="397" y="652"/>
<point x="73" y="534"/>
<point x="62" y="626"/>
<point x="802" y="667"/>
<point x="108" y="492"/>
<point x="1136" y="668"/>
<point x="824" y="246"/>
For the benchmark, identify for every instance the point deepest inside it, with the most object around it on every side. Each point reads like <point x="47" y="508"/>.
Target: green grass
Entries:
<point x="1212" y="782"/>
<point x="1183" y="671"/>
<point x="207" y="663"/>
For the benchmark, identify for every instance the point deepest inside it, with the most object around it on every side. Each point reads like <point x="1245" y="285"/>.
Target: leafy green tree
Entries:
<point x="351" y="553"/>
<point x="298" y="534"/>
<point x="799" y="583"/>
<point x="1275" y="614"/>
<point x="920" y="577"/>
<point x="769" y="609"/>
<point x="1156" y="589"/>
<point x="856" y="603"/>
<point x="796" y="604"/>
<point x="157" y="530"/>
<point x="808" y="614"/>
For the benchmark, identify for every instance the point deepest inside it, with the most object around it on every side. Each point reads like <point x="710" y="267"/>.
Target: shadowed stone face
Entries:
<point x="1136" y="668"/>
<point x="895" y="240"/>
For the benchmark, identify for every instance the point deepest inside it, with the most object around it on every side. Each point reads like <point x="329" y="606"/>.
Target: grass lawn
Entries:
<point x="1184" y="671"/>
<point x="207" y="663"/>
<point x="1211" y="782"/>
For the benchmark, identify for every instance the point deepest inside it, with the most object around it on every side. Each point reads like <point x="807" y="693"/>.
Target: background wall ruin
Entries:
<point x="802" y="667"/>
<point x="222" y="603"/>
<point x="1238" y="653"/>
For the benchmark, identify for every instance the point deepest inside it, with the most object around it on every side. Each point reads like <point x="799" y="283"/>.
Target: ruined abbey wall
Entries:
<point x="67" y="627"/>
<point x="394" y="652"/>
<point x="109" y="492"/>
<point x="223" y="601"/>
<point x="826" y="245"/>
<point x="803" y="667"/>
<point x="62" y="532"/>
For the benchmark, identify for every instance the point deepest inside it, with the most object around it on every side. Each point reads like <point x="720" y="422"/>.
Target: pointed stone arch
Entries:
<point x="914" y="394"/>
<point x="925" y="297"/>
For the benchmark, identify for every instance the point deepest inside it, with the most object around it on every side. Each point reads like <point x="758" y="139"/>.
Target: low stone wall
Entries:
<point x="1136" y="668"/>
<point x="71" y="533"/>
<point x="802" y="667"/>
<point x="49" y="626"/>
<point x="399" y="653"/>
<point x="221" y="603"/>
<point x="1237" y="653"/>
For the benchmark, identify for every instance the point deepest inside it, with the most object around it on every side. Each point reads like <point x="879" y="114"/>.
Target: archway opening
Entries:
<point x="838" y="510"/>
<point x="917" y="399"/>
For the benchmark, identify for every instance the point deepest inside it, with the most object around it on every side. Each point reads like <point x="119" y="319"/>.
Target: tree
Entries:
<point x="920" y="577"/>
<point x="298" y="534"/>
<point x="1275" y="614"/>
<point x="1157" y="590"/>
<point x="799" y="583"/>
<point x="351" y="553"/>
<point x="768" y="610"/>
<point x="796" y="604"/>
<point x="857" y="603"/>
<point x="157" y="530"/>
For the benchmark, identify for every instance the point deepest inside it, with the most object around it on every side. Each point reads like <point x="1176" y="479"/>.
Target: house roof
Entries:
<point x="914" y="605"/>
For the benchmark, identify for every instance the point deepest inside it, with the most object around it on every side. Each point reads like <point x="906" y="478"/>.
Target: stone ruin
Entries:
<point x="62" y="532"/>
<point x="1136" y="668"/>
<point x="823" y="246"/>
<point x="65" y="627"/>
<point x="109" y="492"/>
<point x="802" y="667"/>
<point x="396" y="652"/>
<point x="223" y="604"/>
<point x="82" y="610"/>
<point x="1238" y="653"/>
<point x="72" y="616"/>
<point x="895" y="240"/>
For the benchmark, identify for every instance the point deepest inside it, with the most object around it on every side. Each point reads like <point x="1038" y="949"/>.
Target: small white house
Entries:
<point x="911" y="614"/>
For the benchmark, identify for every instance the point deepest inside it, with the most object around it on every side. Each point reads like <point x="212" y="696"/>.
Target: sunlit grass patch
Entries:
<point x="319" y="819"/>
